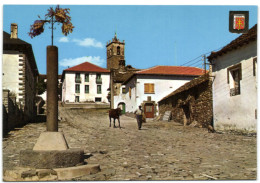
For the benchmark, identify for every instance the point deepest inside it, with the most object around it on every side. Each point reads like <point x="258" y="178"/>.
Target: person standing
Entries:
<point x="139" y="114"/>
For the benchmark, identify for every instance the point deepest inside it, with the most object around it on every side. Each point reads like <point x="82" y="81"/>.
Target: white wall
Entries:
<point x="68" y="87"/>
<point x="235" y="112"/>
<point x="16" y="65"/>
<point x="163" y="86"/>
<point x="10" y="68"/>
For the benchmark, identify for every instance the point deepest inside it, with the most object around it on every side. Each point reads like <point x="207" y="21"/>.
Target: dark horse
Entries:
<point x="114" y="113"/>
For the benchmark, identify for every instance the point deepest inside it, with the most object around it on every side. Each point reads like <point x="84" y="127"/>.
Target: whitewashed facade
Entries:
<point x="135" y="94"/>
<point x="85" y="87"/>
<point x="237" y="112"/>
<point x="19" y="72"/>
<point x="235" y="95"/>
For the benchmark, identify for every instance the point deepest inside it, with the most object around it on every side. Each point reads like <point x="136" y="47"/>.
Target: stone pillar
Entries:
<point x="52" y="89"/>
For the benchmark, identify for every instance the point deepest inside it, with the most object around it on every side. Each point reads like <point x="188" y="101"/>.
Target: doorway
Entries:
<point x="122" y="107"/>
<point x="149" y="110"/>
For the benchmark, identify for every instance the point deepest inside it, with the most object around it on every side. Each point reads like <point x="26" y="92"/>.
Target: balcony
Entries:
<point x="77" y="80"/>
<point x="99" y="80"/>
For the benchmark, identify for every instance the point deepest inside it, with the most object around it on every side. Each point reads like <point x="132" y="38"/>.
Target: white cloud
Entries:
<point x="75" y="61"/>
<point x="64" y="40"/>
<point x="87" y="42"/>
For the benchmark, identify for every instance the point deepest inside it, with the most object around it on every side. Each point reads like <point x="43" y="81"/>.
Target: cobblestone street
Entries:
<point x="160" y="151"/>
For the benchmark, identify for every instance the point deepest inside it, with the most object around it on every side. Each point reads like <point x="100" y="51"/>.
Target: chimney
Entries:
<point x="14" y="31"/>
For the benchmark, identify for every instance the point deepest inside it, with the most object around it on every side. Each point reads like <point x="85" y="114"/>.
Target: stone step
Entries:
<point x="167" y="116"/>
<point x="60" y="174"/>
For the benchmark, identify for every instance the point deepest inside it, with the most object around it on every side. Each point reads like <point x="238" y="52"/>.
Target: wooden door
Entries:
<point x="149" y="110"/>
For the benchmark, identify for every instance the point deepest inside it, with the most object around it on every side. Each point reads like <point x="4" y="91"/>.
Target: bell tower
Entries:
<point x="115" y="53"/>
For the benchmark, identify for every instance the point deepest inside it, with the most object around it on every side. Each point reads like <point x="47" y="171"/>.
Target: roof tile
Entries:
<point x="87" y="67"/>
<point x="173" y="70"/>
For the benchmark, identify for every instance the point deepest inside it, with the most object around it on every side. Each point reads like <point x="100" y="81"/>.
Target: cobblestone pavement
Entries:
<point x="160" y="151"/>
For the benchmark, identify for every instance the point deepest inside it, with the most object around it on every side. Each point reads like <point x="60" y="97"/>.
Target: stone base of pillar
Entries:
<point x="51" y="151"/>
<point x="51" y="159"/>
<point x="51" y="141"/>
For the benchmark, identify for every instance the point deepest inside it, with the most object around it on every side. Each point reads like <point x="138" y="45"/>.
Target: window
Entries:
<point x="77" y="78"/>
<point x="234" y="76"/>
<point x="77" y="75"/>
<point x="123" y="91"/>
<point x="77" y="99"/>
<point x="98" y="76"/>
<point x="77" y="88"/>
<point x="149" y="88"/>
<point x="118" y="50"/>
<point x="98" y="89"/>
<point x="98" y="79"/>
<point x="98" y="99"/>
<point x="86" y="88"/>
<point x="86" y="77"/>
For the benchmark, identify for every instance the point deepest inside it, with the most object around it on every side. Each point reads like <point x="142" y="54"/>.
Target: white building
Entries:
<point x="235" y="84"/>
<point x="20" y="72"/>
<point x="85" y="82"/>
<point x="147" y="87"/>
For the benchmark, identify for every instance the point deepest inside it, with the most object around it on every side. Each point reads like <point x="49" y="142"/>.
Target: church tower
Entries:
<point x="115" y="53"/>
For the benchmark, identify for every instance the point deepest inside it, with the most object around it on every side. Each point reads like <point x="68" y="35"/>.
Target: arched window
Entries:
<point x="118" y="50"/>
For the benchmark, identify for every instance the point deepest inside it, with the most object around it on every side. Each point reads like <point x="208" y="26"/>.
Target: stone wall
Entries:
<point x="191" y="103"/>
<point x="13" y="114"/>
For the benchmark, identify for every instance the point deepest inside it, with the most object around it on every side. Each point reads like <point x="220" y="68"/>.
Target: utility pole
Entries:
<point x="205" y="64"/>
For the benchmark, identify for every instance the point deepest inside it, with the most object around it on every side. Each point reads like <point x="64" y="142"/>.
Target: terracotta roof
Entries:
<point x="172" y="70"/>
<point x="251" y="35"/>
<point x="169" y="70"/>
<point x="87" y="67"/>
<point x="188" y="85"/>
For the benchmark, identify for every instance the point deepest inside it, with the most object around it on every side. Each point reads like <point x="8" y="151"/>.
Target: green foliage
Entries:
<point x="41" y="86"/>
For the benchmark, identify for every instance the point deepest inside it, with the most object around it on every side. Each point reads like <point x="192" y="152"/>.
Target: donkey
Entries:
<point x="114" y="113"/>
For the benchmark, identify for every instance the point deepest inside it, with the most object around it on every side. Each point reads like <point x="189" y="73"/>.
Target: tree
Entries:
<point x="41" y="86"/>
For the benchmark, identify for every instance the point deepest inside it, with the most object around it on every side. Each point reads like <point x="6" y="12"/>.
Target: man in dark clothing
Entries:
<point x="139" y="114"/>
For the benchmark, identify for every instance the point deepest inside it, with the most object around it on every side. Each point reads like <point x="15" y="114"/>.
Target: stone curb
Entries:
<point x="73" y="172"/>
<point x="25" y="174"/>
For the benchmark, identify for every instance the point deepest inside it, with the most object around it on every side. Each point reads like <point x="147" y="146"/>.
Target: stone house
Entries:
<point x="148" y="86"/>
<point x="20" y="73"/>
<point x="234" y="69"/>
<point x="190" y="103"/>
<point x="85" y="82"/>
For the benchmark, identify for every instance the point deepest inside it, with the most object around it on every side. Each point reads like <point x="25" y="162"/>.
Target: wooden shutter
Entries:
<point x="151" y="88"/>
<point x="130" y="92"/>
<point x="146" y="88"/>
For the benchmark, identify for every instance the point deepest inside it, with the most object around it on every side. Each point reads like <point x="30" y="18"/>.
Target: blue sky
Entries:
<point x="153" y="34"/>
